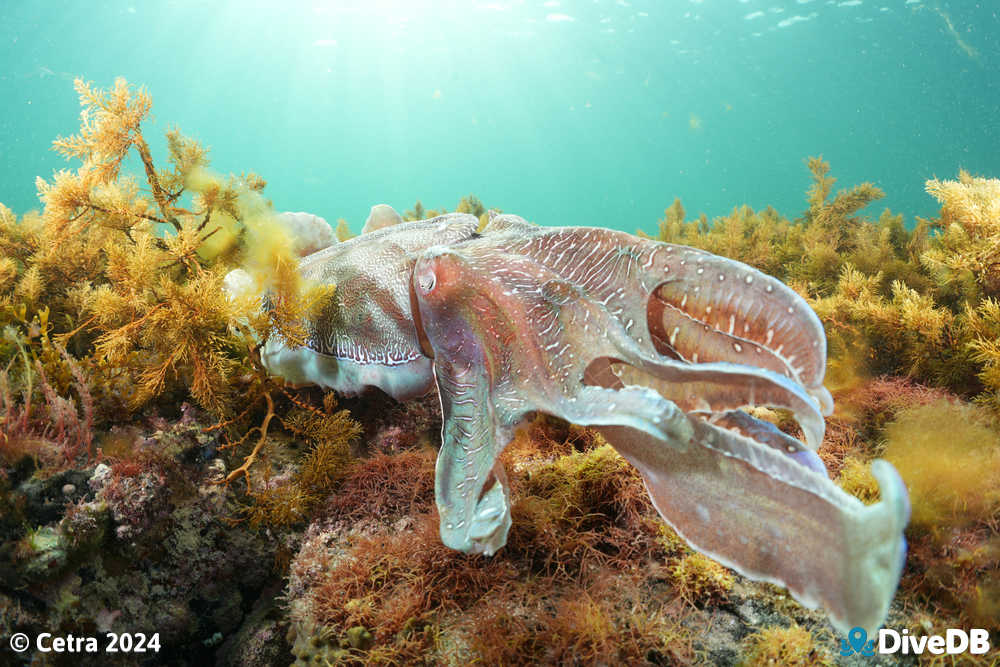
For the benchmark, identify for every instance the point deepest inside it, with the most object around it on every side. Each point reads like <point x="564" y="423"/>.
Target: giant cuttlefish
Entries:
<point x="656" y="346"/>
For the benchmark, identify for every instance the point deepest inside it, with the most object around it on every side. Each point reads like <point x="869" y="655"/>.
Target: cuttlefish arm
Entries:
<point x="510" y="338"/>
<point x="761" y="513"/>
<point x="492" y="372"/>
<point x="712" y="388"/>
<point x="682" y="302"/>
<point x="739" y="328"/>
<point x="518" y="340"/>
<point x="469" y="485"/>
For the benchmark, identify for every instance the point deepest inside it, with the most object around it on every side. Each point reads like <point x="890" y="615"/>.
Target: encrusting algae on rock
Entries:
<point x="126" y="369"/>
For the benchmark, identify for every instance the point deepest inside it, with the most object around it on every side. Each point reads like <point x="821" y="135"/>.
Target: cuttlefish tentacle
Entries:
<point x="760" y="513"/>
<point x="768" y="434"/>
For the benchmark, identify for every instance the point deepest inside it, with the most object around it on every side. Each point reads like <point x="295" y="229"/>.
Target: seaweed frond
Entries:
<point x="793" y="646"/>
<point x="329" y="434"/>
<point x="48" y="425"/>
<point x="126" y="271"/>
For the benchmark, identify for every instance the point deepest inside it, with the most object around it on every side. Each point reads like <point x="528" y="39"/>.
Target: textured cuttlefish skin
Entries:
<point x="366" y="336"/>
<point x="657" y="346"/>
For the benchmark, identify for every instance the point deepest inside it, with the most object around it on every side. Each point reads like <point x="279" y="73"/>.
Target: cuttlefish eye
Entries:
<point x="426" y="280"/>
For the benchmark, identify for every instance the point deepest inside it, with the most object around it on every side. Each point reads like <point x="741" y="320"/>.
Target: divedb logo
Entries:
<point x="975" y="641"/>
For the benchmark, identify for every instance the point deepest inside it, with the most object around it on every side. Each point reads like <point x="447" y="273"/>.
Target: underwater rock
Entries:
<point x="85" y="525"/>
<point x="261" y="639"/>
<point x="42" y="554"/>
<point x="45" y="499"/>
<point x="142" y="546"/>
<point x="135" y="501"/>
<point x="358" y="637"/>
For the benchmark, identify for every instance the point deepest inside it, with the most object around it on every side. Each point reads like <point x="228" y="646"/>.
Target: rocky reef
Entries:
<point x="153" y="479"/>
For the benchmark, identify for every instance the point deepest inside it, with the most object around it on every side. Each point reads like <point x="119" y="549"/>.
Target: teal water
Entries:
<point x="589" y="112"/>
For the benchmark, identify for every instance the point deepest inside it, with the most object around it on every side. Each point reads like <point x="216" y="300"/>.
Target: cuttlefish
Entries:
<point x="659" y="347"/>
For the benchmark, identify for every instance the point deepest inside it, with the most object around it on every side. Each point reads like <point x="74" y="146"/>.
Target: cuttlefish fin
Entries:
<point x="771" y="519"/>
<point x="470" y="487"/>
